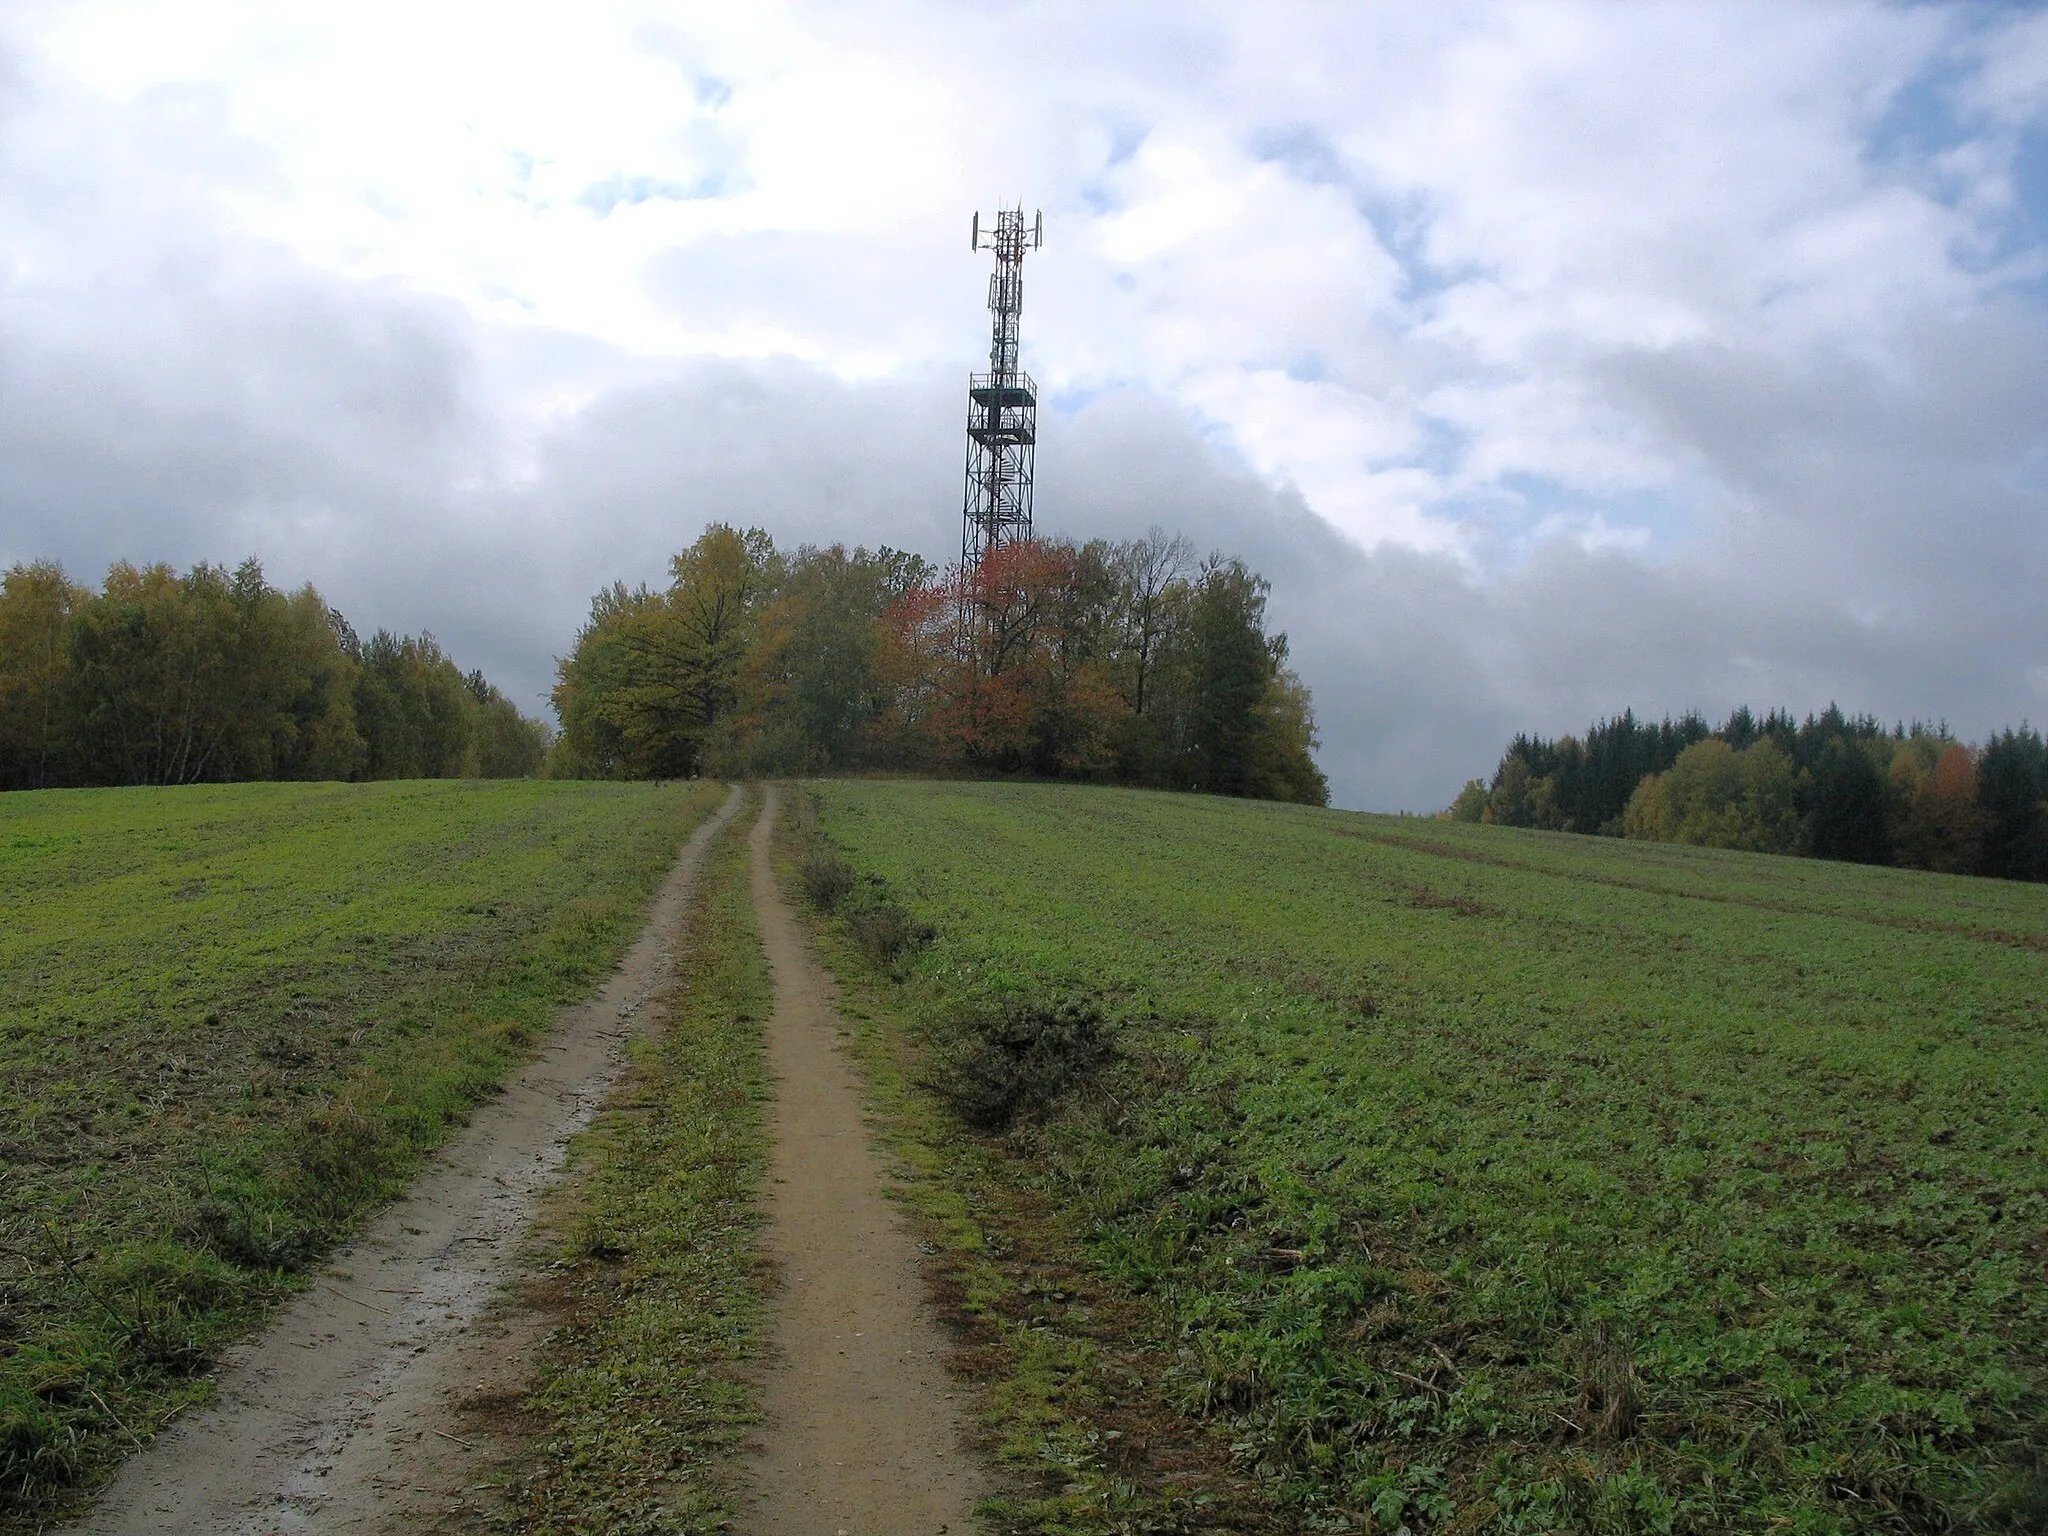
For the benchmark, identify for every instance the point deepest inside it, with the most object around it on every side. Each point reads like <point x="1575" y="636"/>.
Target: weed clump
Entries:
<point x="41" y="1446"/>
<point x="150" y="1311"/>
<point x="1609" y="1389"/>
<point x="881" y="929"/>
<point x="255" y="1232"/>
<point x="828" y="878"/>
<point x="1017" y="1061"/>
<point x="886" y="932"/>
<point x="166" y="1303"/>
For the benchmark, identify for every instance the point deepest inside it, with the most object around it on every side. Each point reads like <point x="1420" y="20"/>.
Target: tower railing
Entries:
<point x="1002" y="409"/>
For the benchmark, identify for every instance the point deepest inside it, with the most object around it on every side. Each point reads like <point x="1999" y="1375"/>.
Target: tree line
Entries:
<point x="1829" y="786"/>
<point x="1130" y="662"/>
<point x="158" y="678"/>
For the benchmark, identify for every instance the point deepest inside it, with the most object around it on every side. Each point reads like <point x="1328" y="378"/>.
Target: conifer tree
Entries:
<point x="1847" y="821"/>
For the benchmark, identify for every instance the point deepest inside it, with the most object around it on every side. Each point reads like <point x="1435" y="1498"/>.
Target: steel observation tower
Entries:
<point x="1002" y="409"/>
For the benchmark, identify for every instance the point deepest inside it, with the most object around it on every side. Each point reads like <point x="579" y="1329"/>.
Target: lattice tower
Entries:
<point x="1002" y="409"/>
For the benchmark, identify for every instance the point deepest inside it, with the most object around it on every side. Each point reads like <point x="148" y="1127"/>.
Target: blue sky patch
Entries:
<point x="602" y="197"/>
<point x="1510" y="517"/>
<point x="1304" y="153"/>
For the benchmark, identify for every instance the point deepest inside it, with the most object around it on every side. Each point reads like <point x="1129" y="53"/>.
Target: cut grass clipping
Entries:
<point x="1467" y="1179"/>
<point x="658" y="1283"/>
<point x="233" y="1019"/>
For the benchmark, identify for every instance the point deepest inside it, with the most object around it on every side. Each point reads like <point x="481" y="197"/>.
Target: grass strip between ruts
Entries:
<point x="657" y="1276"/>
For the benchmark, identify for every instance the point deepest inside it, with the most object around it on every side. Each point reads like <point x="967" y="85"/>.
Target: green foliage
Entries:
<point x="232" y="1020"/>
<point x="1091" y="661"/>
<point x="504" y="744"/>
<point x="653" y="674"/>
<point x="208" y="676"/>
<point x="216" y="676"/>
<point x="1491" y="1183"/>
<point x="2013" y="795"/>
<point x="1716" y="797"/>
<point x="640" y="1390"/>
<point x="1648" y="818"/>
<point x="1470" y="806"/>
<point x="1227" y="667"/>
<point x="1512" y="802"/>
<point x="1238" y="718"/>
<point x="1848" y="813"/>
<point x="1830" y="786"/>
<point x="37" y="604"/>
<point x="816" y="688"/>
<point x="1933" y="806"/>
<point x="1574" y="785"/>
<point x="413" y="708"/>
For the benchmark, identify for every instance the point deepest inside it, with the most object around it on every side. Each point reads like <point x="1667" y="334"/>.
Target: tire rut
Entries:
<point x="332" y="1420"/>
<point x="864" y="1430"/>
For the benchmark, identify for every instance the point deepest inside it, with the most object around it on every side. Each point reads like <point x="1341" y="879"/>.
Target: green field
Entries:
<point x="1472" y="1179"/>
<point x="232" y="1020"/>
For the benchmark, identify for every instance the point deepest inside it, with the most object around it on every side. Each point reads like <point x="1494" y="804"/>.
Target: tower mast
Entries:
<point x="1002" y="408"/>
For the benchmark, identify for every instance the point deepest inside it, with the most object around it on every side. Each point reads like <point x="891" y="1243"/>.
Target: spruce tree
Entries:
<point x="1848" y="806"/>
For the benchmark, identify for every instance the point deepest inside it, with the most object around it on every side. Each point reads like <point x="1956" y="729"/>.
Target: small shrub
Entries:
<point x="828" y="878"/>
<point x="602" y="1241"/>
<point x="1019" y="1060"/>
<point x="887" y="933"/>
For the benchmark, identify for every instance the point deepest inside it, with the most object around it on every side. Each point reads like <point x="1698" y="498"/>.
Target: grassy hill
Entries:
<point x="232" y="1019"/>
<point x="1459" y="1178"/>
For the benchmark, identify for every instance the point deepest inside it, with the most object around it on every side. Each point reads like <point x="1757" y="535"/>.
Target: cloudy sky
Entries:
<point x="1550" y="359"/>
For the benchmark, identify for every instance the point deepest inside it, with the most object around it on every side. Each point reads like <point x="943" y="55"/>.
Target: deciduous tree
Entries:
<point x="37" y="605"/>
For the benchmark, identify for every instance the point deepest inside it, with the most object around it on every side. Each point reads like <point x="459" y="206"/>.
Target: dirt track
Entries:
<point x="344" y="1416"/>
<point x="863" y="1431"/>
<point x="328" y="1422"/>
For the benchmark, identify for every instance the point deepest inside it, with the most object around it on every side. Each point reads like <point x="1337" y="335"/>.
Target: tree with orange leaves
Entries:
<point x="1932" y="804"/>
<point x="1027" y="687"/>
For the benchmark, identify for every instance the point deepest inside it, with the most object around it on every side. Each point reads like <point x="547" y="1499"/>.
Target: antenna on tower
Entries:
<point x="1002" y="404"/>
